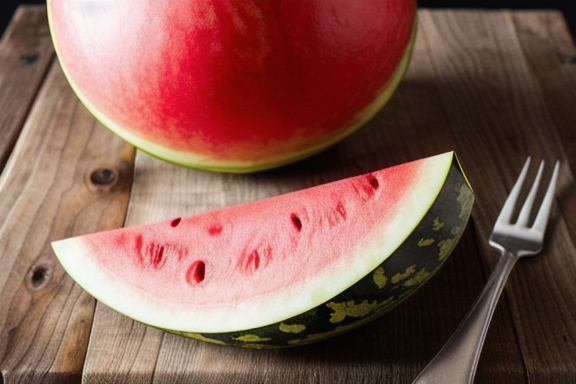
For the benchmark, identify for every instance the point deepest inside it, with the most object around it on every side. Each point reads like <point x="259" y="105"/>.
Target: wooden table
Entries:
<point x="495" y="86"/>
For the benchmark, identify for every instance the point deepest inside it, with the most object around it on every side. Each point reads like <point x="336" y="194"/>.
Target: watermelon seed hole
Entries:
<point x="157" y="256"/>
<point x="196" y="272"/>
<point x="175" y="222"/>
<point x="373" y="182"/>
<point x="296" y="221"/>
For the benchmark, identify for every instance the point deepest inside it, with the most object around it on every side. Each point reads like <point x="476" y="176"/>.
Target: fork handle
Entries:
<point x="457" y="361"/>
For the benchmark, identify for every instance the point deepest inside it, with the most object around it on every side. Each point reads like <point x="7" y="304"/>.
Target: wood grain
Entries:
<point x="513" y="76"/>
<point x="551" y="57"/>
<point x="25" y="54"/>
<point x="51" y="188"/>
<point x="545" y="293"/>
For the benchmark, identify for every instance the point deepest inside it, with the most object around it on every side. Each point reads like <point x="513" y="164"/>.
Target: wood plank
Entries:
<point x="551" y="55"/>
<point x="26" y="52"/>
<point x="67" y="175"/>
<point x="495" y="73"/>
<point x="550" y="351"/>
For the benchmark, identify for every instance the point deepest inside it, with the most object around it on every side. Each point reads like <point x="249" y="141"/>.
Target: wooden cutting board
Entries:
<point x="495" y="86"/>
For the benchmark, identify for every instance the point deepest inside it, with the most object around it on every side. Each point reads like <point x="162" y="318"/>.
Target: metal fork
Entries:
<point x="457" y="360"/>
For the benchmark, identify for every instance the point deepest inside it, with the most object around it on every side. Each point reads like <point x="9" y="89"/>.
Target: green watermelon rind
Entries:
<point x="407" y="269"/>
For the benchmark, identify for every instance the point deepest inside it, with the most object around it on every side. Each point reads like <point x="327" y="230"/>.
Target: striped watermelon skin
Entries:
<point x="392" y="282"/>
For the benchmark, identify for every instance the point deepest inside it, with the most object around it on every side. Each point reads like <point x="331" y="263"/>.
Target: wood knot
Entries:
<point x="38" y="276"/>
<point x="103" y="176"/>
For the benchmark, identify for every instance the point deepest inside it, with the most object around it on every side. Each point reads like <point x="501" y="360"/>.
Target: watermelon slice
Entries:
<point x="286" y="270"/>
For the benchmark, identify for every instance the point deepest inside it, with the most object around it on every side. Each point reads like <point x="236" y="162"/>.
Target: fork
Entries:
<point x="457" y="360"/>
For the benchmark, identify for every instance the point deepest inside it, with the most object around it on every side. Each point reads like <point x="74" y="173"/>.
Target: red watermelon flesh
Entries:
<point x="258" y="263"/>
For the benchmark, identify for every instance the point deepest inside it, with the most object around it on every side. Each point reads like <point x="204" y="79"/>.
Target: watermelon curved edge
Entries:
<point x="391" y="280"/>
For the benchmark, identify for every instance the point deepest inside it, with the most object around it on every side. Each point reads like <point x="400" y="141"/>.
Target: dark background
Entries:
<point x="568" y="7"/>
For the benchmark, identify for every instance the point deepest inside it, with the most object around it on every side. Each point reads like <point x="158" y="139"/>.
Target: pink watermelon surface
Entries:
<point x="254" y="264"/>
<point x="233" y="85"/>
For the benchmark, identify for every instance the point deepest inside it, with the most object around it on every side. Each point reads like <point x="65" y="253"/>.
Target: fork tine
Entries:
<point x="527" y="207"/>
<point x="508" y="208"/>
<point x="542" y="218"/>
